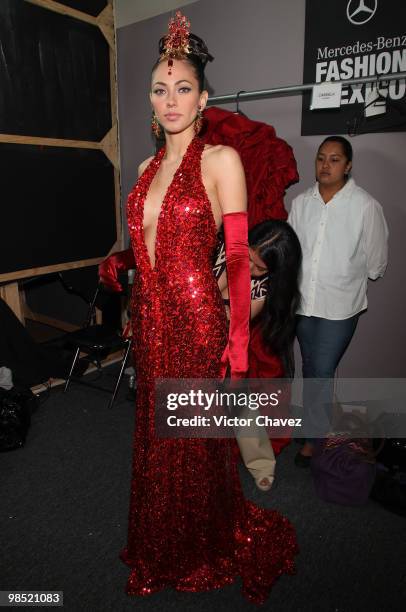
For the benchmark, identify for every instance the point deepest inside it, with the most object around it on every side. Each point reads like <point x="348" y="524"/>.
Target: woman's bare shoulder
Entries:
<point x="221" y="157"/>
<point x="215" y="153"/>
<point x="221" y="161"/>
<point x="143" y="165"/>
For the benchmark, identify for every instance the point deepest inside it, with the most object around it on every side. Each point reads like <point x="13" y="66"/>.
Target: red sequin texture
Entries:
<point x="190" y="527"/>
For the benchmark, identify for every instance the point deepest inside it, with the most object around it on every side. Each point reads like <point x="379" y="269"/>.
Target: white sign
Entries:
<point x="326" y="95"/>
<point x="347" y="41"/>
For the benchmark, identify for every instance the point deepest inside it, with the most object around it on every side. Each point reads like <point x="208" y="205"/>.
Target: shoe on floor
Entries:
<point x="264" y="483"/>
<point x="302" y="461"/>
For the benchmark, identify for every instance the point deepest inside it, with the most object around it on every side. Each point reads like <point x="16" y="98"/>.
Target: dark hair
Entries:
<point x="346" y="145"/>
<point x="198" y="57"/>
<point x="279" y="248"/>
<point x="198" y="67"/>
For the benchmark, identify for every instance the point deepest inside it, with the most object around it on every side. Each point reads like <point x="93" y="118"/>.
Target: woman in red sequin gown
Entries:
<point x="190" y="527"/>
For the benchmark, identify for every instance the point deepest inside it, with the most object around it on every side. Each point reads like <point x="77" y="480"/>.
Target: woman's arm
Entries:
<point x="229" y="179"/>
<point x="257" y="307"/>
<point x="376" y="240"/>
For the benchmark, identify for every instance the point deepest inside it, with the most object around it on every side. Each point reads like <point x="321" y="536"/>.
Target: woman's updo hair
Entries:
<point x="346" y="145"/>
<point x="198" y="57"/>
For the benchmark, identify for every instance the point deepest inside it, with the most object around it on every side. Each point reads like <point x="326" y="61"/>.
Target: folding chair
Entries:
<point x="96" y="341"/>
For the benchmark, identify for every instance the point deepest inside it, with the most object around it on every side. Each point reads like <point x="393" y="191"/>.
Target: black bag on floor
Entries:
<point x="16" y="407"/>
<point x="393" y="454"/>
<point x="389" y="490"/>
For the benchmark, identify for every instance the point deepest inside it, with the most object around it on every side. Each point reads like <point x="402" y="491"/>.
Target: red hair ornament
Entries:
<point x="175" y="45"/>
<point x="179" y="43"/>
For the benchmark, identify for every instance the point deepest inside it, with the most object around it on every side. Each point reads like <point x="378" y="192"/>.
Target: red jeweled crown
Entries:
<point x="175" y="45"/>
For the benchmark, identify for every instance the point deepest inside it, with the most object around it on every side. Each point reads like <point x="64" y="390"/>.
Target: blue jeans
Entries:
<point x="322" y="343"/>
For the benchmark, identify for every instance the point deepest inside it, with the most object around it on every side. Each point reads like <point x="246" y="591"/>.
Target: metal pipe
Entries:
<point x="290" y="89"/>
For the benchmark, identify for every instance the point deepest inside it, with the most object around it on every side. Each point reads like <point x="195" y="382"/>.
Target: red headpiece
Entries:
<point x="180" y="43"/>
<point x="175" y="45"/>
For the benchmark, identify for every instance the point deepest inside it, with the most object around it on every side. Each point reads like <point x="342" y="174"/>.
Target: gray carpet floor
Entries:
<point x="63" y="516"/>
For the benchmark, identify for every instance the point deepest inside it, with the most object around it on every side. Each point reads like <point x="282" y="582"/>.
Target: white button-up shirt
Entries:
<point x="343" y="242"/>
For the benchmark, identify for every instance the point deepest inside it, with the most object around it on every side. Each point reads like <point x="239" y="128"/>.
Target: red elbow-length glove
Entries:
<point x="239" y="288"/>
<point x="110" y="268"/>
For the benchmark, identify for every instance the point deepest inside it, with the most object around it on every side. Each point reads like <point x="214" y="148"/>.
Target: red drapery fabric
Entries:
<point x="269" y="163"/>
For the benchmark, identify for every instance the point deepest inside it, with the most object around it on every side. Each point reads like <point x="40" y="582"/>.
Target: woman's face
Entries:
<point x="332" y="166"/>
<point x="175" y="97"/>
<point x="257" y="265"/>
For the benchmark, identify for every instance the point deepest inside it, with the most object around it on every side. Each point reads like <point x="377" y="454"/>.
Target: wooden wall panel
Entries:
<point x="92" y="7"/>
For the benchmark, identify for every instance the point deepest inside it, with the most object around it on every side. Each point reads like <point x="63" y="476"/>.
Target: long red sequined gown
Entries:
<point x="190" y="527"/>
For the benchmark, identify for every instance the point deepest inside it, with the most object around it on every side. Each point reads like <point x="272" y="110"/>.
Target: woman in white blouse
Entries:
<point x="343" y="234"/>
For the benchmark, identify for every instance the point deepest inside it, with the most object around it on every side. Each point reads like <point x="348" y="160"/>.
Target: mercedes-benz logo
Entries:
<point x="359" y="13"/>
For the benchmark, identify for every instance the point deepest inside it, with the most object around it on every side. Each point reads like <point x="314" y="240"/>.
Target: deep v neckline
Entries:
<point x="157" y="161"/>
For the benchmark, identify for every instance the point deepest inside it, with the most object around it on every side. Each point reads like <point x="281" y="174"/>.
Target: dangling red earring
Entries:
<point x="198" y="121"/>
<point x="155" y="127"/>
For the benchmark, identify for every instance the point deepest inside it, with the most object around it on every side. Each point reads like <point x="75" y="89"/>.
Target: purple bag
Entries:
<point x="343" y="469"/>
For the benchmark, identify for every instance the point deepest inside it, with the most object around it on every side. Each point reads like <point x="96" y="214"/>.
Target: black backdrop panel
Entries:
<point x="57" y="206"/>
<point x="346" y="39"/>
<point x="91" y="7"/>
<point x="54" y="74"/>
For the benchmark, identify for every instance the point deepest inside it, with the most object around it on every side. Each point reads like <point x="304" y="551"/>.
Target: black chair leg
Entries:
<point x="124" y="361"/>
<point x="71" y="370"/>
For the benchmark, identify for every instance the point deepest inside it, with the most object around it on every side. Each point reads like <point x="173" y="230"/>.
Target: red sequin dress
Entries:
<point x="190" y="528"/>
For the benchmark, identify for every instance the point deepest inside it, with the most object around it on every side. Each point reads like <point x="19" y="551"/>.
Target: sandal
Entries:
<point x="264" y="483"/>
